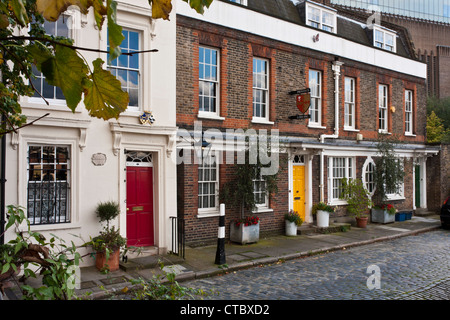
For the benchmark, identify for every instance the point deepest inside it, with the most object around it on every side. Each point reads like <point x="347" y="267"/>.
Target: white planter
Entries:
<point x="382" y="216"/>
<point x="243" y="234"/>
<point x="291" y="228"/>
<point x="323" y="218"/>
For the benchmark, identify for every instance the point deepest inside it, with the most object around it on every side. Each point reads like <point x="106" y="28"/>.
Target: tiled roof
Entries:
<point x="351" y="25"/>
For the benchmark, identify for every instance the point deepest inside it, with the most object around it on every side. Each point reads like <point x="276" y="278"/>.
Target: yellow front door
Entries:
<point x="298" y="186"/>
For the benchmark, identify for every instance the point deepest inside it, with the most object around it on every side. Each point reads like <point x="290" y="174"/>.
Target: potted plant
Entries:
<point x="108" y="243"/>
<point x="292" y="221"/>
<point x="388" y="178"/>
<point x="240" y="193"/>
<point x="245" y="230"/>
<point x="383" y="213"/>
<point x="322" y="210"/>
<point x="358" y="200"/>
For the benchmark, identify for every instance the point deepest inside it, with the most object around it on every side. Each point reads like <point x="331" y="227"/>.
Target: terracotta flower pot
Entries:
<point x="361" y="222"/>
<point x="113" y="261"/>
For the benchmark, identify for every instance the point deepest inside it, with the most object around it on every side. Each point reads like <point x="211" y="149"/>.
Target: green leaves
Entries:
<point x="64" y="69"/>
<point x="19" y="11"/>
<point x="115" y="36"/>
<point x="161" y="8"/>
<point x="199" y="5"/>
<point x="52" y="9"/>
<point x="103" y="95"/>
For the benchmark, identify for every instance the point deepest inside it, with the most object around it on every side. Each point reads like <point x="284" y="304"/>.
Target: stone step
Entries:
<point x="423" y="212"/>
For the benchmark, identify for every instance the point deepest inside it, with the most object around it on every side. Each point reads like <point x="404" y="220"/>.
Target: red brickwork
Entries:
<point x="289" y="69"/>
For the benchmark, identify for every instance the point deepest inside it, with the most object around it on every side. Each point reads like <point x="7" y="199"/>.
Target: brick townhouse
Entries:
<point x="237" y="66"/>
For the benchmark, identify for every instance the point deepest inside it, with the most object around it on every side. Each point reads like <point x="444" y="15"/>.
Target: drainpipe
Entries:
<point x="337" y="72"/>
<point x="322" y="198"/>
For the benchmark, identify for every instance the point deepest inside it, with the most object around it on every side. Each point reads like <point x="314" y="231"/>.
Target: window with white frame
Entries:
<point x="384" y="39"/>
<point x="243" y="2"/>
<point x="59" y="28"/>
<point x="408" y="112"/>
<point x="368" y="176"/>
<point x="48" y="186"/>
<point x="397" y="192"/>
<point x="208" y="80"/>
<point x="260" y="88"/>
<point x="259" y="190"/>
<point x="349" y="112"/>
<point x="320" y="18"/>
<point x="208" y="183"/>
<point x="383" y="108"/>
<point x="126" y="68"/>
<point x="338" y="169"/>
<point x="315" y="84"/>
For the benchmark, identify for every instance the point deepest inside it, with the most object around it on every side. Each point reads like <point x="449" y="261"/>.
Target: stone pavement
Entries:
<point x="199" y="262"/>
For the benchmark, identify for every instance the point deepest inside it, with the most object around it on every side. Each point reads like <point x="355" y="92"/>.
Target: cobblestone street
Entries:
<point x="413" y="267"/>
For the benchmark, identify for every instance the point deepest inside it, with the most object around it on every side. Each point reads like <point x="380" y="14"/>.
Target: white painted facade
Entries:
<point x="86" y="136"/>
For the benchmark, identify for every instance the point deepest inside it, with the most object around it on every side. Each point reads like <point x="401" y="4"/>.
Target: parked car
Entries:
<point x="445" y="214"/>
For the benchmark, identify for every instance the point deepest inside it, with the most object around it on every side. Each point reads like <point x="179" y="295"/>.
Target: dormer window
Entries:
<point x="320" y="17"/>
<point x="384" y="39"/>
<point x="243" y="2"/>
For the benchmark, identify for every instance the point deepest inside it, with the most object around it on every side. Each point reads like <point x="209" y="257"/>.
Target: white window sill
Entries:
<point x="409" y="134"/>
<point x="54" y="104"/>
<point x="316" y="126"/>
<point x="50" y="227"/>
<point x="395" y="197"/>
<point x="337" y="202"/>
<point x="384" y="131"/>
<point x="208" y="213"/>
<point x="350" y="129"/>
<point x="261" y="121"/>
<point x="262" y="210"/>
<point x="210" y="116"/>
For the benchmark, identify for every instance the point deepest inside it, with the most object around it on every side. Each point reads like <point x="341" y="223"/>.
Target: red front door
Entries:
<point x="140" y="231"/>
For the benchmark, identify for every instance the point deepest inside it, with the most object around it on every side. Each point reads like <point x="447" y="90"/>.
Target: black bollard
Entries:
<point x="220" y="253"/>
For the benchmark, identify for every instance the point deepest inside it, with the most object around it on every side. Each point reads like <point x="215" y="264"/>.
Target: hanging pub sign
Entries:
<point x="303" y="101"/>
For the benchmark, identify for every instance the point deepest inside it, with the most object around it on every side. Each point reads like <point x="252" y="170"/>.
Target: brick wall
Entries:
<point x="438" y="189"/>
<point x="289" y="70"/>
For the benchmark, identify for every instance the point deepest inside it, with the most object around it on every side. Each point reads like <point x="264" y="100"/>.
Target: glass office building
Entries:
<point x="435" y="10"/>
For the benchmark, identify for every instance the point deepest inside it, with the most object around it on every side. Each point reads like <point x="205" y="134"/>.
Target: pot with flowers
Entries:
<point x="109" y="242"/>
<point x="358" y="200"/>
<point x="239" y="193"/>
<point x="383" y="213"/>
<point x="245" y="230"/>
<point x="292" y="221"/>
<point x="322" y="210"/>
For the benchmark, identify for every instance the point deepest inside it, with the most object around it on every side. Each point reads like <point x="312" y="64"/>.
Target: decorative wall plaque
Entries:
<point x="147" y="117"/>
<point x="98" y="159"/>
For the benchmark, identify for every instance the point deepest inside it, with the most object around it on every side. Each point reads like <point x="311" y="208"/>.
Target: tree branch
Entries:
<point x="25" y="125"/>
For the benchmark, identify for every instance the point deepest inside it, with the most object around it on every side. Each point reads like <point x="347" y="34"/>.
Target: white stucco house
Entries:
<point x="63" y="165"/>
